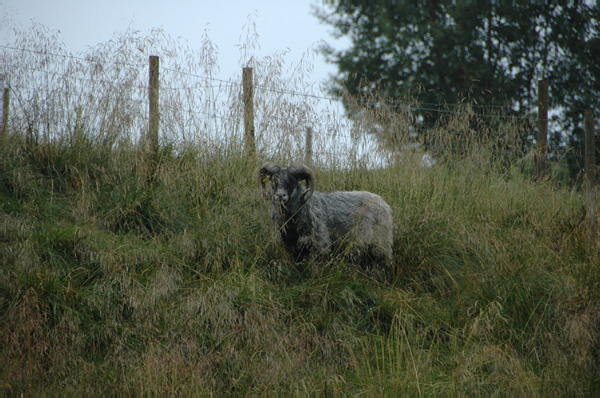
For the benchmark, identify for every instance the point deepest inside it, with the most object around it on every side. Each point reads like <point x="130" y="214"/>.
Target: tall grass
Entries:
<point x="177" y="284"/>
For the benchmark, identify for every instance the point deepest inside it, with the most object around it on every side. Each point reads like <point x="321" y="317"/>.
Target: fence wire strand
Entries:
<point x="200" y="103"/>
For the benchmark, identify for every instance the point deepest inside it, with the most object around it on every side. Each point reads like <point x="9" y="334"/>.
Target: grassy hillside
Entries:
<point x="111" y="282"/>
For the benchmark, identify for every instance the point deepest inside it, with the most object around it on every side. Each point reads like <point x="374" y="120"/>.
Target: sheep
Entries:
<point x="313" y="224"/>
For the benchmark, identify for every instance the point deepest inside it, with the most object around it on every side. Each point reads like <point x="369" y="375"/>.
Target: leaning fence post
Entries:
<point x="247" y="79"/>
<point x="5" y="105"/>
<point x="542" y="138"/>
<point x="308" y="152"/>
<point x="153" y="114"/>
<point x="590" y="174"/>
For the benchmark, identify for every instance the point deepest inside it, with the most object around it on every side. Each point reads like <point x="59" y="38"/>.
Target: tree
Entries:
<point x="494" y="54"/>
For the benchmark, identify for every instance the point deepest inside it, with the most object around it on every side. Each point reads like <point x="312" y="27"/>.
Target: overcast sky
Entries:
<point x="280" y="24"/>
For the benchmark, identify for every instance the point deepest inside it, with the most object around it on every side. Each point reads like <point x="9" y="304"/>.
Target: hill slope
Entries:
<point x="177" y="284"/>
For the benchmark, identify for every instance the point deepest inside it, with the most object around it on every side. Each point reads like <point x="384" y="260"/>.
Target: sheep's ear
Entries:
<point x="265" y="180"/>
<point x="264" y="175"/>
<point x="306" y="195"/>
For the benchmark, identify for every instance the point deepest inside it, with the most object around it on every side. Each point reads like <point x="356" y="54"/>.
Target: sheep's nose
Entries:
<point x="282" y="197"/>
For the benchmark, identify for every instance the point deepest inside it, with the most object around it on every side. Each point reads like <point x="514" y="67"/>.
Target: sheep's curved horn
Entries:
<point x="266" y="170"/>
<point x="302" y="172"/>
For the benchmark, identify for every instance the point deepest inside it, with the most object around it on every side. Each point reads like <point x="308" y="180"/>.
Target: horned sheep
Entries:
<point x="313" y="224"/>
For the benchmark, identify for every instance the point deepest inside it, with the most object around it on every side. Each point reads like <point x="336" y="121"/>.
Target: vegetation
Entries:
<point x="117" y="274"/>
<point x="492" y="53"/>
<point x="179" y="285"/>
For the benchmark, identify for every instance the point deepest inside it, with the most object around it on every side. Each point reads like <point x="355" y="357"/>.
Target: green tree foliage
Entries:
<point x="492" y="54"/>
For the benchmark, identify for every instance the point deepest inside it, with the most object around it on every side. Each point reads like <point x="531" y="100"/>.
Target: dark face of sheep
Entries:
<point x="286" y="192"/>
<point x="284" y="189"/>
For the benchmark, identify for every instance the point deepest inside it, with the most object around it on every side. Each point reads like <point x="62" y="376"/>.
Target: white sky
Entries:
<point x="280" y="24"/>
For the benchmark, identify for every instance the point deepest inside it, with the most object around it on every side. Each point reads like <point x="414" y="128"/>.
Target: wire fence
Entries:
<point x="55" y="95"/>
<point x="104" y="96"/>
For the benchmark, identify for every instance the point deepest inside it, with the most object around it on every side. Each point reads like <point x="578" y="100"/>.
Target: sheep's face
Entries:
<point x="284" y="188"/>
<point x="286" y="191"/>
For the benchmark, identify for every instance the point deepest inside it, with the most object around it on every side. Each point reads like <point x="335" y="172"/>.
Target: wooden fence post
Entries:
<point x="154" y="116"/>
<point x="308" y="152"/>
<point x="590" y="174"/>
<point x="542" y="138"/>
<point x="247" y="83"/>
<point x="5" y="105"/>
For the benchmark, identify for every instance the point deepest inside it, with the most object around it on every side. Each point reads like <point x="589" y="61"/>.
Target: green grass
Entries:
<point x="117" y="278"/>
<point x="110" y="282"/>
